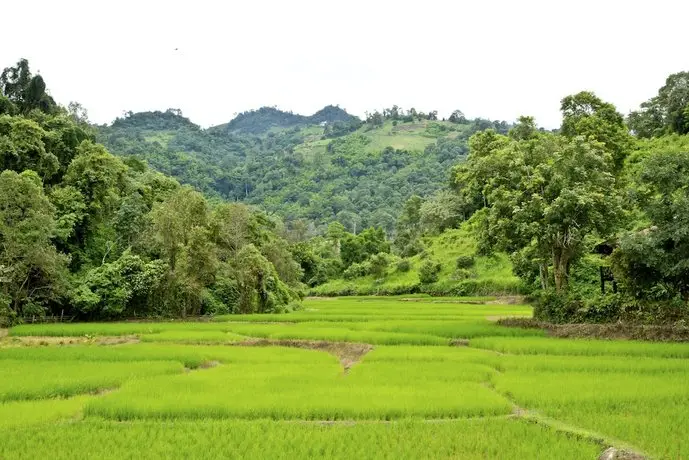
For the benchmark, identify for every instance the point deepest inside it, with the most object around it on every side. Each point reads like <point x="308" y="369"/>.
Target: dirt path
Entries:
<point x="3" y="333"/>
<point x="348" y="353"/>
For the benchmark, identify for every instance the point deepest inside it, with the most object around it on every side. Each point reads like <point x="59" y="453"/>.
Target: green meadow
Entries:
<point x="359" y="377"/>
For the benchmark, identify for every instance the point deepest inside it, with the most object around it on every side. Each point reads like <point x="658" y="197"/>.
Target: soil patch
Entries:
<point x="3" y="333"/>
<point x="348" y="353"/>
<point x="508" y="300"/>
<point x="617" y="331"/>
<point x="48" y="340"/>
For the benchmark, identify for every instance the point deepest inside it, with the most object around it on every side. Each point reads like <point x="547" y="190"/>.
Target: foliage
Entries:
<point x="465" y="261"/>
<point x="403" y="266"/>
<point x="652" y="261"/>
<point x="429" y="271"/>
<point x="88" y="234"/>
<point x="320" y="169"/>
<point x="545" y="195"/>
<point x="666" y="113"/>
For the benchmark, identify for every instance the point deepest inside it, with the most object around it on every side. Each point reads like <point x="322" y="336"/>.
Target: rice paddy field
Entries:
<point x="358" y="377"/>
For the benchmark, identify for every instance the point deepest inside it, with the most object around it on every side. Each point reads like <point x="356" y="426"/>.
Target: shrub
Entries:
<point x="573" y="308"/>
<point x="428" y="273"/>
<point x="403" y="266"/>
<point x="465" y="262"/>
<point x="378" y="265"/>
<point x="357" y="270"/>
<point x="462" y="274"/>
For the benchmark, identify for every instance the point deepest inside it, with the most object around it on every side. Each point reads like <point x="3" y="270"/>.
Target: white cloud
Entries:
<point x="497" y="59"/>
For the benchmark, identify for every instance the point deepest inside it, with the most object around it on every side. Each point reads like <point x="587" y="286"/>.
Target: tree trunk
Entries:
<point x="543" y="270"/>
<point x="561" y="269"/>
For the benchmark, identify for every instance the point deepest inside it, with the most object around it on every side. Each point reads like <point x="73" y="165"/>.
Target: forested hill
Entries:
<point x="266" y="118"/>
<point x="319" y="168"/>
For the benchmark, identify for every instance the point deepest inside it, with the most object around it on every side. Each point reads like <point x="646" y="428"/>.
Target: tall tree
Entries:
<point x="550" y="194"/>
<point x="35" y="273"/>
<point x="585" y="114"/>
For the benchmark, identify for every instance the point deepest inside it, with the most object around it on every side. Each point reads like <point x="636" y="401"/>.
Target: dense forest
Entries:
<point x="249" y="215"/>
<point x="309" y="171"/>
<point x="85" y="233"/>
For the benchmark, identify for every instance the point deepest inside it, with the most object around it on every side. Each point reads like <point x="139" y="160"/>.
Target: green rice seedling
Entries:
<point x="190" y="357"/>
<point x="23" y="413"/>
<point x="598" y="364"/>
<point x="647" y="411"/>
<point x="230" y="439"/>
<point x="47" y="379"/>
<point x="451" y="355"/>
<point x="109" y="329"/>
<point x="554" y="346"/>
<point x="305" y="331"/>
<point x="192" y="337"/>
<point x="416" y="372"/>
<point x="444" y="328"/>
<point x="308" y="392"/>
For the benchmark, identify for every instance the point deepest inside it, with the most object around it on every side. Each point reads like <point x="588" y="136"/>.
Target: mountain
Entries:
<point x="266" y="118"/>
<point x="319" y="168"/>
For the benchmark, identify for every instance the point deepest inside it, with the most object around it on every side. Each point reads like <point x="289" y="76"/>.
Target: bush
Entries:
<point x="462" y="274"/>
<point x="403" y="266"/>
<point x="378" y="265"/>
<point x="465" y="262"/>
<point x="7" y="315"/>
<point x="573" y="308"/>
<point x="211" y="305"/>
<point x="428" y="273"/>
<point x="357" y="270"/>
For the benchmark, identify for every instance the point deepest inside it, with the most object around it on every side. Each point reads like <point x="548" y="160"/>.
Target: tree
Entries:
<point x="174" y="222"/>
<point x="551" y="194"/>
<point x="408" y="228"/>
<point x="652" y="261"/>
<point x="357" y="248"/>
<point x="34" y="272"/>
<point x="260" y="288"/>
<point x="99" y="176"/>
<point x="665" y="113"/>
<point x="27" y="92"/>
<point x="22" y="147"/>
<point x="457" y="117"/>
<point x="442" y="211"/>
<point x="585" y="114"/>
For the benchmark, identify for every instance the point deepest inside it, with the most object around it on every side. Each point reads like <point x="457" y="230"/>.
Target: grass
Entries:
<point x="24" y="413"/>
<point x="542" y="345"/>
<point x="490" y="275"/>
<point x="190" y="357"/>
<point x="211" y="439"/>
<point x="194" y="390"/>
<point x="255" y="391"/>
<point x="36" y="380"/>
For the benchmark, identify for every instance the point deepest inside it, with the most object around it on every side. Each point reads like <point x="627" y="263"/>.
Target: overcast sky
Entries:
<point x="496" y="59"/>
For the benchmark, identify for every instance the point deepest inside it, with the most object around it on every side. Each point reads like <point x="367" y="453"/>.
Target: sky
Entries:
<point x="495" y="59"/>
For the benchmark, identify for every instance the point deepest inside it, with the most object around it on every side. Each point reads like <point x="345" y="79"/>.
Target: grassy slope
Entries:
<point x="492" y="275"/>
<point x="414" y="137"/>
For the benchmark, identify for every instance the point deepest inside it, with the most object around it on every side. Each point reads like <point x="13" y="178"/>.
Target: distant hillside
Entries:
<point x="266" y="118"/>
<point x="486" y="275"/>
<point x="324" y="167"/>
